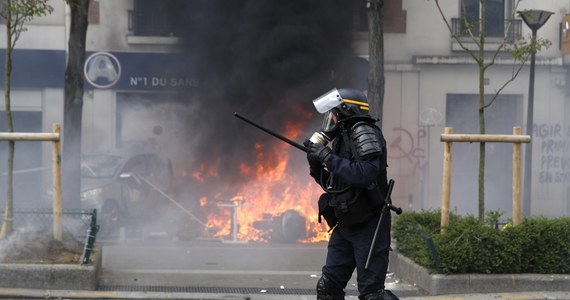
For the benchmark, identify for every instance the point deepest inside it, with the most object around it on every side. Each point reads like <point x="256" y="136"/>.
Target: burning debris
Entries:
<point x="287" y="227"/>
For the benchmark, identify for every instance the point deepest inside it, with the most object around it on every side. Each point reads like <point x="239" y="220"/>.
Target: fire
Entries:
<point x="280" y="184"/>
<point x="202" y="172"/>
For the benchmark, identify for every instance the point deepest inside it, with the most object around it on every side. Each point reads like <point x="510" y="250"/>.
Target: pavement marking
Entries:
<point x="223" y="272"/>
<point x="93" y="294"/>
<point x="519" y="296"/>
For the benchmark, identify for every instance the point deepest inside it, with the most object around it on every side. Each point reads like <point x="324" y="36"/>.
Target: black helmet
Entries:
<point x="341" y="105"/>
<point x="354" y="103"/>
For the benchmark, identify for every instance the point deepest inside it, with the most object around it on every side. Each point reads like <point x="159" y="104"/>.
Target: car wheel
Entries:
<point x="110" y="218"/>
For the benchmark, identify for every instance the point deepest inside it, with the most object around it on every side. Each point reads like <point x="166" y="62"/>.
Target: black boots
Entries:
<point x="379" y="295"/>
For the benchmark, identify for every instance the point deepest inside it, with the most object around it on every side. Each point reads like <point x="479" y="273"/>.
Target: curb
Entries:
<point x="82" y="294"/>
<point x="48" y="276"/>
<point x="438" y="284"/>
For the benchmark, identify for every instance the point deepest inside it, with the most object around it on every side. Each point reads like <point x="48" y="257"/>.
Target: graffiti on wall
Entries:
<point x="407" y="146"/>
<point x="554" y="153"/>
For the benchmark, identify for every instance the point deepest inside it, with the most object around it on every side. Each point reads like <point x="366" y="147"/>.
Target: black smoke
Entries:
<point x="264" y="59"/>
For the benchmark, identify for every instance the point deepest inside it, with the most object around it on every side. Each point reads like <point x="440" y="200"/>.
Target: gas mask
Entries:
<point x="326" y="104"/>
<point x="338" y="106"/>
<point x="329" y="128"/>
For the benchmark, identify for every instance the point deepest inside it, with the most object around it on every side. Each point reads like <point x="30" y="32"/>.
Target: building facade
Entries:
<point x="133" y="73"/>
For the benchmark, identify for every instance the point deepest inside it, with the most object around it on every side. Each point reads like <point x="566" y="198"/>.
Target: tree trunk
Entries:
<point x="73" y="105"/>
<point x="376" y="58"/>
<point x="482" y="130"/>
<point x="7" y="225"/>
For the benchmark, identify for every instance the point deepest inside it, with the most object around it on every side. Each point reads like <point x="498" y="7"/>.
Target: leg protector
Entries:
<point x="327" y="291"/>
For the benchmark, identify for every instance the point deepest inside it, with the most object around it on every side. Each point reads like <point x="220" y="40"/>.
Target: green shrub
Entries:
<point x="538" y="245"/>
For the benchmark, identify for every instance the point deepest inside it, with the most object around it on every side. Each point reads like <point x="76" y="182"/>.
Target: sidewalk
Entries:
<point x="6" y="293"/>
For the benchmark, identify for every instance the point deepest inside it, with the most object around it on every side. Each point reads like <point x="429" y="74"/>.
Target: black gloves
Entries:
<point x="317" y="152"/>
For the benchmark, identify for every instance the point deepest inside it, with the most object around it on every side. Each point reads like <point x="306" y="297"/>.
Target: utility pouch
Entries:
<point x="350" y="208"/>
<point x="326" y="211"/>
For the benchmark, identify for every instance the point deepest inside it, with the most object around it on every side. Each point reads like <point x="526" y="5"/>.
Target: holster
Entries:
<point x="326" y="211"/>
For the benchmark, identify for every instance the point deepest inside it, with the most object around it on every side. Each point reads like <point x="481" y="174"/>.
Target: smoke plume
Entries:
<point x="266" y="59"/>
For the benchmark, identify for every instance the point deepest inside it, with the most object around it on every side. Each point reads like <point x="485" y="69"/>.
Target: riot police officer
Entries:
<point x="352" y="172"/>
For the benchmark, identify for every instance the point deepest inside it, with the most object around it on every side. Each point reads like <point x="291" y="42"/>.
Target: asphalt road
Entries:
<point x="216" y="266"/>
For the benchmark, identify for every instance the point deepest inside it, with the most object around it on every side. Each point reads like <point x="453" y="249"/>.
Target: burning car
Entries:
<point x="125" y="190"/>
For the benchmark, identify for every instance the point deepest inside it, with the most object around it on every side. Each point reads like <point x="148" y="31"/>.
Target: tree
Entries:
<point x="73" y="104"/>
<point x="15" y="14"/>
<point x="376" y="57"/>
<point x="474" y="27"/>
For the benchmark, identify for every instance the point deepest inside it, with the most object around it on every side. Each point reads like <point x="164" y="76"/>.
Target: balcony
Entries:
<point x="495" y="35"/>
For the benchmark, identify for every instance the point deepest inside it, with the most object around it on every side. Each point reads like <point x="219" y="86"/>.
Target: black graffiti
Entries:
<point x="553" y="146"/>
<point x="554" y="177"/>
<point x="547" y="130"/>
<point x="553" y="161"/>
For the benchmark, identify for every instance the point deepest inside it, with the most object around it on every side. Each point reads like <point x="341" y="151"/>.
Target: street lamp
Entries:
<point x="534" y="19"/>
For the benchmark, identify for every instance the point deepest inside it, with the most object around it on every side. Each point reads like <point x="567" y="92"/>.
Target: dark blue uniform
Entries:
<point x="346" y="180"/>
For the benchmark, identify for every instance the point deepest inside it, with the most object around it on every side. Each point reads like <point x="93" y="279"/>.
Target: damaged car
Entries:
<point x="126" y="190"/>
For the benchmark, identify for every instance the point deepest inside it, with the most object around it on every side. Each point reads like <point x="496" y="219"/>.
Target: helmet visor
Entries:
<point x="329" y="122"/>
<point x="328" y="101"/>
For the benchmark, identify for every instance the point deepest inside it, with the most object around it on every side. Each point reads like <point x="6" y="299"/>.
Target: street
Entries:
<point x="216" y="266"/>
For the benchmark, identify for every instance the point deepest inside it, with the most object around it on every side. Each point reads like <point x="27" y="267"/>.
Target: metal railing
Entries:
<point x="460" y="29"/>
<point x="81" y="224"/>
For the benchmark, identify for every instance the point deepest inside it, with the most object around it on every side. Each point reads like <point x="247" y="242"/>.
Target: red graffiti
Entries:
<point x="404" y="147"/>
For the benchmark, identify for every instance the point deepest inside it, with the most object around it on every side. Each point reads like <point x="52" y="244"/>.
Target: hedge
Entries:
<point x="537" y="245"/>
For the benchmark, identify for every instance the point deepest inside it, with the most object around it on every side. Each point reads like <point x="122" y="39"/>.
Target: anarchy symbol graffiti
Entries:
<point x="430" y="117"/>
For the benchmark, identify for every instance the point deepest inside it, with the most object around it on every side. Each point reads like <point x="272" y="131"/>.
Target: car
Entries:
<point x="126" y="190"/>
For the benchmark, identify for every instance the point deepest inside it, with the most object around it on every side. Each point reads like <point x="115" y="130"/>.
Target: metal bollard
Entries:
<point x="90" y="240"/>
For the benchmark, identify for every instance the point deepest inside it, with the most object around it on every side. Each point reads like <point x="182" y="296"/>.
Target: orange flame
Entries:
<point x="280" y="183"/>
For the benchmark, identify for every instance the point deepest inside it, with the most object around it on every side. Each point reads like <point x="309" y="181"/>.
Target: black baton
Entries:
<point x="273" y="133"/>
<point x="387" y="206"/>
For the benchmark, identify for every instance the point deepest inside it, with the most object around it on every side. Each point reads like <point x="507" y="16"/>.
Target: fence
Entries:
<point x="80" y="224"/>
<point x="448" y="137"/>
<point x="53" y="137"/>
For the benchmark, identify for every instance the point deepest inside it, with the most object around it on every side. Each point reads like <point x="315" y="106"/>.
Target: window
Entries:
<point x="494" y="13"/>
<point x="497" y="19"/>
<point x="157" y="17"/>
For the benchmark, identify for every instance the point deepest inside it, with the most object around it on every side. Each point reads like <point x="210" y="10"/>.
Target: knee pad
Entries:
<point x="326" y="290"/>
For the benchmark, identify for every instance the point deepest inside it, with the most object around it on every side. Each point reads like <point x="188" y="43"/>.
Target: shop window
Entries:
<point x="462" y="113"/>
<point x="28" y="165"/>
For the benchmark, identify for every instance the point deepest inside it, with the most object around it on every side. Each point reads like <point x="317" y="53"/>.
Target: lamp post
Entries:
<point x="534" y="19"/>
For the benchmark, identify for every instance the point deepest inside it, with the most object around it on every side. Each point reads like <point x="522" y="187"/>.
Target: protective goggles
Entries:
<point x="329" y="121"/>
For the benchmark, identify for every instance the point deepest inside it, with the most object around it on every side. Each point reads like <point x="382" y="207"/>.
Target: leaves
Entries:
<point x="24" y="10"/>
<point x="538" y="245"/>
<point x="523" y="48"/>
